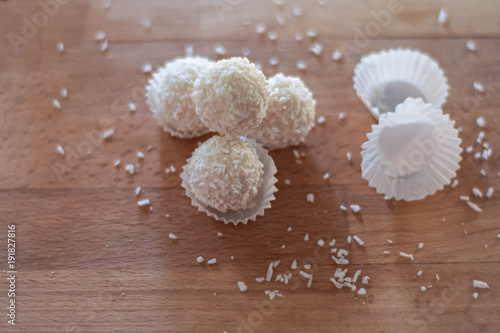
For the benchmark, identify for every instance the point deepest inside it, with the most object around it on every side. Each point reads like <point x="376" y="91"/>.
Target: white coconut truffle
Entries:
<point x="225" y="173"/>
<point x="231" y="97"/>
<point x="169" y="95"/>
<point x="290" y="115"/>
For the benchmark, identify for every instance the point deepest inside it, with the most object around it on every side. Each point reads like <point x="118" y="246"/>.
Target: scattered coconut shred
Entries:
<point x="243" y="287"/>
<point x="479" y="284"/>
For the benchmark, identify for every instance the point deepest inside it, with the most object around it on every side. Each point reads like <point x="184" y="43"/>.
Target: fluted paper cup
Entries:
<point x="412" y="153"/>
<point x="257" y="205"/>
<point x="384" y="79"/>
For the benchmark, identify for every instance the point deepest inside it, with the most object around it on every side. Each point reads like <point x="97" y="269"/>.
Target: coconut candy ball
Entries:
<point x="169" y="95"/>
<point x="225" y="173"/>
<point x="290" y="114"/>
<point x="231" y="97"/>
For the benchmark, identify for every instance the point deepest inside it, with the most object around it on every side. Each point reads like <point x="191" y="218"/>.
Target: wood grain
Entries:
<point x="90" y="260"/>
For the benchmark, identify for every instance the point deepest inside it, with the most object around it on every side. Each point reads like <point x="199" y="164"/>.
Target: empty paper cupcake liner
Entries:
<point x="383" y="80"/>
<point x="257" y="205"/>
<point x="413" y="152"/>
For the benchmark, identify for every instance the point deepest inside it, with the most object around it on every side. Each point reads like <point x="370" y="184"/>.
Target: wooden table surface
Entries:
<point x="88" y="259"/>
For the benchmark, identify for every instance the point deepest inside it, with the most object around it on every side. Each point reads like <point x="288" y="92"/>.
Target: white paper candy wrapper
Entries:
<point x="412" y="152"/>
<point x="383" y="80"/>
<point x="257" y="205"/>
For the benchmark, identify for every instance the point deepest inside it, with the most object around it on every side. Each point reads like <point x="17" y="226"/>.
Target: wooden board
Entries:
<point x="90" y="260"/>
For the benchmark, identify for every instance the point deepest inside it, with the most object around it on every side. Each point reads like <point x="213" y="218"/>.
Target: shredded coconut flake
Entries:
<point x="131" y="106"/>
<point x="474" y="206"/>
<point x="129" y="168"/>
<point x="272" y="35"/>
<point x="306" y="237"/>
<point x="355" y="208"/>
<point x="362" y="291"/>
<point x="358" y="240"/>
<point x="200" y="259"/>
<point x="146" y="23"/>
<point x="108" y="133"/>
<point x="243" y="287"/>
<point x="219" y="49"/>
<point x="269" y="274"/>
<point x="479" y="284"/>
<point x="64" y="93"/>
<point x="146" y="67"/>
<point x="294" y="264"/>
<point x="321" y="120"/>
<point x="144" y="202"/>
<point x="260" y="279"/>
<point x="100" y="35"/>
<point x="481" y="122"/>
<point x="297" y="10"/>
<point x="106" y="4"/>
<point x="479" y="87"/>
<point x="321" y="242"/>
<point x="281" y="19"/>
<point x="349" y="156"/>
<point x="406" y="255"/>
<point x="301" y="65"/>
<point x="443" y="16"/>
<point x="471" y="45"/>
<point x="475" y="295"/>
<point x="356" y="275"/>
<point x="316" y="48"/>
<point x="337" y="55"/>
<point x="260" y="28"/>
<point x="56" y="104"/>
<point x="212" y="261"/>
<point x="310" y="197"/>
<point x="103" y="46"/>
<point x="138" y="190"/>
<point x="189" y="50"/>
<point x="299" y="36"/>
<point x="420" y="245"/>
<point x="312" y="33"/>
<point x="60" y="150"/>
<point x="477" y="192"/>
<point x="274" y="61"/>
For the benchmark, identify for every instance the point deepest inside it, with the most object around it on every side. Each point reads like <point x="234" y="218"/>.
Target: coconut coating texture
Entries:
<point x="231" y="97"/>
<point x="225" y="173"/>
<point x="169" y="94"/>
<point x="290" y="115"/>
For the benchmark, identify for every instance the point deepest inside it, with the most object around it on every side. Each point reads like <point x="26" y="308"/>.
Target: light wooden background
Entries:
<point x="90" y="260"/>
